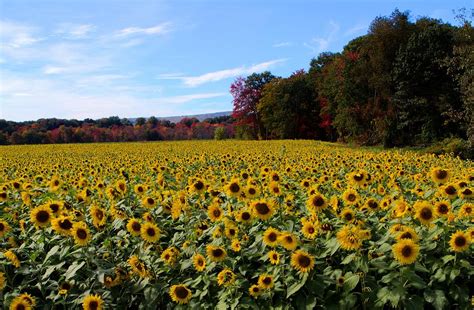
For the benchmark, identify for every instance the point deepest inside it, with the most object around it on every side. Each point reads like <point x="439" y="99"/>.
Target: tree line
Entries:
<point x="403" y="83"/>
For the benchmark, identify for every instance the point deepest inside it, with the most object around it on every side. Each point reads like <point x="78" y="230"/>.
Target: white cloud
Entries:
<point x="170" y="76"/>
<point x="15" y="35"/>
<point x="282" y="44"/>
<point x="355" y="29"/>
<point x="155" y="30"/>
<point x="321" y="44"/>
<point x="193" y="81"/>
<point x="75" y="31"/>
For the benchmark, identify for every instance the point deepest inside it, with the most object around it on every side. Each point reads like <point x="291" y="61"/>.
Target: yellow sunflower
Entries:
<point x="216" y="253"/>
<point x="150" y="232"/>
<point x="62" y="225"/>
<point x="309" y="230"/>
<point x="180" y="294"/>
<point x="134" y="227"/>
<point x="439" y="175"/>
<point x="405" y="251"/>
<point x="233" y="189"/>
<point x="92" y="302"/>
<point x="442" y="208"/>
<point x="270" y="237"/>
<point x="302" y="261"/>
<point x="255" y="291"/>
<point x="265" y="281"/>
<point x="424" y="212"/>
<point x="12" y="258"/>
<point x="4" y="228"/>
<point x="215" y="213"/>
<point x="262" y="209"/>
<point x="347" y="215"/>
<point x="80" y="233"/>
<point x="349" y="237"/>
<point x="316" y="202"/>
<point x="138" y="267"/>
<point x="99" y="217"/>
<point x="459" y="241"/>
<point x="288" y="240"/>
<point x="350" y="197"/>
<point x="226" y="277"/>
<point x="199" y="262"/>
<point x="244" y="216"/>
<point x="19" y="303"/>
<point x="41" y="216"/>
<point x="408" y="233"/>
<point x="274" y="257"/>
<point x="149" y="202"/>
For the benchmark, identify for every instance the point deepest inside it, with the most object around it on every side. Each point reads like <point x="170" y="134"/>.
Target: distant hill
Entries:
<point x="200" y="117"/>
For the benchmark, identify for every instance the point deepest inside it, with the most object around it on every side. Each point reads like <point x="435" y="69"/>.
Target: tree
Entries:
<point x="247" y="92"/>
<point x="219" y="133"/>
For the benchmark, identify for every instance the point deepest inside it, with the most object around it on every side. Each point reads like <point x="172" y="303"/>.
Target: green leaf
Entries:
<point x="348" y="259"/>
<point x="414" y="303"/>
<point x="51" y="252"/>
<point x="295" y="287"/>
<point x="71" y="271"/>
<point x="447" y="258"/>
<point x="351" y="282"/>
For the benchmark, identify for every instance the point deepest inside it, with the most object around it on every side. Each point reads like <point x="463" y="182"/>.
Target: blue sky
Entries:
<point x="92" y="59"/>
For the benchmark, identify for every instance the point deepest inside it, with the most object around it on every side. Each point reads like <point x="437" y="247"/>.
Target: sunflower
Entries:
<point x="216" y="253"/>
<point x="288" y="240"/>
<point x="466" y="210"/>
<point x="251" y="191"/>
<point x="28" y="298"/>
<point x="180" y="294"/>
<point x="233" y="189"/>
<point x="198" y="186"/>
<point x="170" y="255"/>
<point x="349" y="237"/>
<point x="12" y="258"/>
<point x="99" y="217"/>
<point x="449" y="190"/>
<point x="459" y="241"/>
<point x="408" y="233"/>
<point x="274" y="257"/>
<point x="55" y="206"/>
<point x="226" y="277"/>
<point x="244" y="216"/>
<point x="442" y="208"/>
<point x="262" y="209"/>
<point x="121" y="186"/>
<point x="265" y="281"/>
<point x="3" y="281"/>
<point x="309" y="230"/>
<point x="302" y="261"/>
<point x="80" y="233"/>
<point x="235" y="245"/>
<point x="41" y="216"/>
<point x="439" y="175"/>
<point x="274" y="188"/>
<point x="150" y="232"/>
<point x="424" y="212"/>
<point x="19" y="303"/>
<point x="139" y="189"/>
<point x="255" y="290"/>
<point x="134" y="227"/>
<point x="199" y="262"/>
<point x="231" y="230"/>
<point x="350" y="197"/>
<point x="316" y="202"/>
<point x="405" y="251"/>
<point x="4" y="228"/>
<point x="466" y="193"/>
<point x="138" y="267"/>
<point x="270" y="237"/>
<point x="347" y="215"/>
<point x="149" y="202"/>
<point x="92" y="302"/>
<point x="215" y="213"/>
<point x="62" y="225"/>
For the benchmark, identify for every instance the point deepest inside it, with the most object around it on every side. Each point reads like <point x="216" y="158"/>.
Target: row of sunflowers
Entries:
<point x="233" y="224"/>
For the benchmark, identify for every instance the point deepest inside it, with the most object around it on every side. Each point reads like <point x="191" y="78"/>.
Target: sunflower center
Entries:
<point x="2" y="227"/>
<point x="150" y="232"/>
<point x="272" y="237"/>
<point x="406" y="235"/>
<point x="318" y="201"/>
<point x="99" y="214"/>
<point x="304" y="261"/>
<point x="348" y="216"/>
<point x="65" y="224"/>
<point x="234" y="188"/>
<point x="358" y="177"/>
<point x="42" y="216"/>
<point x="54" y="207"/>
<point x="351" y="197"/>
<point x="467" y="192"/>
<point x="311" y="230"/>
<point x="20" y="307"/>
<point x="136" y="226"/>
<point x="217" y="252"/>
<point x="81" y="234"/>
<point x="426" y="214"/>
<point x="441" y="174"/>
<point x="262" y="208"/>
<point x="450" y="190"/>
<point x="252" y="191"/>
<point x="93" y="305"/>
<point x="216" y="213"/>
<point x="150" y="201"/>
<point x="267" y="280"/>
<point x="406" y="251"/>
<point x="460" y="241"/>
<point x="468" y="210"/>
<point x="246" y="216"/>
<point x="199" y="185"/>
<point x="181" y="292"/>
<point x="443" y="209"/>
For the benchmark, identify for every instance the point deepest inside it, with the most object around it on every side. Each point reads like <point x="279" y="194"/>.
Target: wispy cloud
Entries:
<point x="15" y="35"/>
<point x="193" y="81"/>
<point x="75" y="31"/>
<point x="355" y="29"/>
<point x="321" y="44"/>
<point x="160" y="29"/>
<point x="282" y="44"/>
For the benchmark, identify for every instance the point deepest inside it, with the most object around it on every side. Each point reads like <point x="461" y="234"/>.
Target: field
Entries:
<point x="283" y="224"/>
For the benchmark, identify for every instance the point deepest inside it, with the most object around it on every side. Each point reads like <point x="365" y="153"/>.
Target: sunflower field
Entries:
<point x="234" y="224"/>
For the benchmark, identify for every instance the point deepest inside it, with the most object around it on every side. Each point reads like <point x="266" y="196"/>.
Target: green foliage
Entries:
<point x="219" y="133"/>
